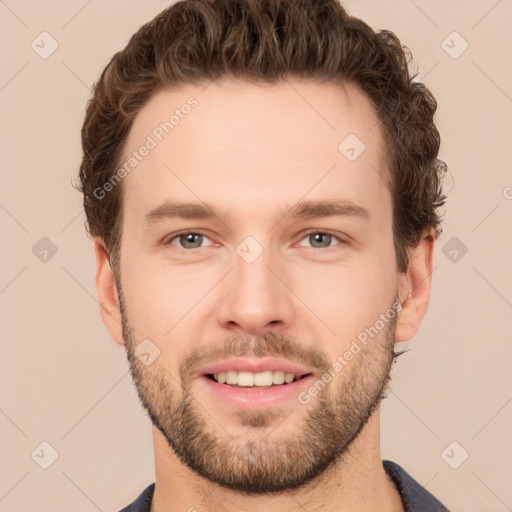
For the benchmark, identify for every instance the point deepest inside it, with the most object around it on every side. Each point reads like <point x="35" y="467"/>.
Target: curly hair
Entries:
<point x="266" y="41"/>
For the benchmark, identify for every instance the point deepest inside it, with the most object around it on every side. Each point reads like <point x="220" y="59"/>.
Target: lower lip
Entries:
<point x="250" y="398"/>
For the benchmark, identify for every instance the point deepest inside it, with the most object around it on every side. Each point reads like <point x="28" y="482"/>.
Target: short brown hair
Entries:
<point x="267" y="41"/>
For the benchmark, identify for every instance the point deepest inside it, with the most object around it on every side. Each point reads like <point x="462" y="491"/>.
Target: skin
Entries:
<point x="253" y="152"/>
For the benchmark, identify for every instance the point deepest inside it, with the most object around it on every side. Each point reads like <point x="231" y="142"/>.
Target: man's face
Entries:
<point x="256" y="280"/>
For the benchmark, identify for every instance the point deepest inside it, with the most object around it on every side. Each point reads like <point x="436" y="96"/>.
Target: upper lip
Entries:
<point x="254" y="366"/>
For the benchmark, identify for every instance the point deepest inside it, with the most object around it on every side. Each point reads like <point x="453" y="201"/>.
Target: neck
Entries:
<point x="356" y="482"/>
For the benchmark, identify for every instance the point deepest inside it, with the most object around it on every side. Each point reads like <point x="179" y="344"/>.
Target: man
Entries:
<point x="261" y="181"/>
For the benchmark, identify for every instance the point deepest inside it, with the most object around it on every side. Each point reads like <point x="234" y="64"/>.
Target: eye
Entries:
<point x="187" y="240"/>
<point x="194" y="240"/>
<point x="320" y="240"/>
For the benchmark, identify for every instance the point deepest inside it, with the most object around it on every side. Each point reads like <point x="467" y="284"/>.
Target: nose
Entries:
<point x="256" y="299"/>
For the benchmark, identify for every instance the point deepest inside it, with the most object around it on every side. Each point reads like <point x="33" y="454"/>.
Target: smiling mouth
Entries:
<point x="289" y="378"/>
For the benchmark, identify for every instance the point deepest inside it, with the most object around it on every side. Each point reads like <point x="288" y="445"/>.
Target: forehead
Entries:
<point x="235" y="144"/>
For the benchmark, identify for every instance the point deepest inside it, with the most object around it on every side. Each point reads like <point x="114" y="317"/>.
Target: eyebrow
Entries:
<point x="301" y="210"/>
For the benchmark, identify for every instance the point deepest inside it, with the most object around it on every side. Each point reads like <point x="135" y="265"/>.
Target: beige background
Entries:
<point x="64" y="382"/>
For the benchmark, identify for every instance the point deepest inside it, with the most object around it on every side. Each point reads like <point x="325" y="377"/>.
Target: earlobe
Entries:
<point x="414" y="288"/>
<point x="107" y="293"/>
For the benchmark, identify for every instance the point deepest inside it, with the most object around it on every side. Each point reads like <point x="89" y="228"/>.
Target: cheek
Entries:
<point x="348" y="297"/>
<point x="160" y="297"/>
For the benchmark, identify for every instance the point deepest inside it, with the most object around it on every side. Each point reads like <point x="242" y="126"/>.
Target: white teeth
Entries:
<point x="262" y="379"/>
<point x="231" y="377"/>
<point x="249" y="379"/>
<point x="278" y="377"/>
<point x="245" y="379"/>
<point x="288" y="377"/>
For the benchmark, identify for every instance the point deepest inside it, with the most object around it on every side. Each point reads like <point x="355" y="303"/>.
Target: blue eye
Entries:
<point x="195" y="240"/>
<point x="188" y="240"/>
<point x="320" y="240"/>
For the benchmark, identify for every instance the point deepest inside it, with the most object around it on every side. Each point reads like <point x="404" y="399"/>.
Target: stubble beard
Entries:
<point x="259" y="461"/>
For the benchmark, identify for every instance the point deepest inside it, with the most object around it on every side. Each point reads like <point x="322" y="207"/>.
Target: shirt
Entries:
<point x="414" y="497"/>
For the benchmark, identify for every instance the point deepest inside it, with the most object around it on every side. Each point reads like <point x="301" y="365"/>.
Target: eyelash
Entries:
<point x="303" y="236"/>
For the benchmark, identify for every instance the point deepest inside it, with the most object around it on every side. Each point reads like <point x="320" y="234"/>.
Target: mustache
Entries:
<point x="271" y="344"/>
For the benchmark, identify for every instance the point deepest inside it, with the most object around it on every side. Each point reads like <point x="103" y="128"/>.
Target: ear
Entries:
<point x="414" y="287"/>
<point x="107" y="293"/>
